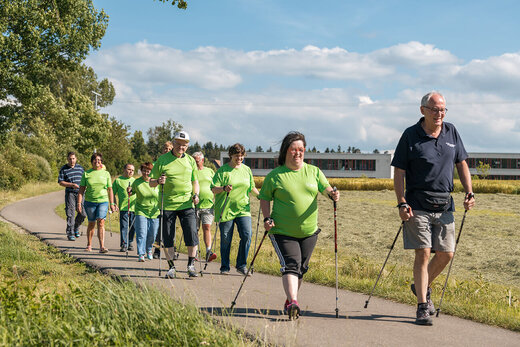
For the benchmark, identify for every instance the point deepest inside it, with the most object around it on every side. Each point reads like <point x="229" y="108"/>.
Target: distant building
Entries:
<point x="503" y="166"/>
<point x="332" y="164"/>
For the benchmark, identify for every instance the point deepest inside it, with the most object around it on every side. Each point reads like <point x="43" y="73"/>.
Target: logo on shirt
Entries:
<point x="312" y="185"/>
<point x="450" y="144"/>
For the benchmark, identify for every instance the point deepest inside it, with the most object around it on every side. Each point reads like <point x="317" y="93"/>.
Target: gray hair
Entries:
<point x="426" y="99"/>
<point x="198" y="154"/>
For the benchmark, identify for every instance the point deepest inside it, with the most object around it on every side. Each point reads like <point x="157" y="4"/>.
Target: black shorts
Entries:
<point x="294" y="254"/>
<point x="188" y="225"/>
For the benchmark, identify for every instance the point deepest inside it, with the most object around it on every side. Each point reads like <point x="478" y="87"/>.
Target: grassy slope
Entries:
<point x="46" y="298"/>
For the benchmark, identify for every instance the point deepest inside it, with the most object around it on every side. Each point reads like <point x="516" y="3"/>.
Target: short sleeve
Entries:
<point x="323" y="183"/>
<point x="83" y="182"/>
<point x="400" y="159"/>
<point x="109" y="179"/>
<point x="267" y="191"/>
<point x="460" y="153"/>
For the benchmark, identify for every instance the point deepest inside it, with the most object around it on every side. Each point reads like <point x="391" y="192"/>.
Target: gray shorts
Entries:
<point x="435" y="230"/>
<point x="205" y="215"/>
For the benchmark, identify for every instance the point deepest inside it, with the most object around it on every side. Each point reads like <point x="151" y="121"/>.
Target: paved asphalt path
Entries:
<point x="258" y="308"/>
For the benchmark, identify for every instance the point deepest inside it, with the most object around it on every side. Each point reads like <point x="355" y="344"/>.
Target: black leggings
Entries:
<point x="294" y="253"/>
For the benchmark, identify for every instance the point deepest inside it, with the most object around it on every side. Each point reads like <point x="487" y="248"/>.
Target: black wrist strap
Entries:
<point x="403" y="204"/>
<point x="268" y="219"/>
<point x="469" y="196"/>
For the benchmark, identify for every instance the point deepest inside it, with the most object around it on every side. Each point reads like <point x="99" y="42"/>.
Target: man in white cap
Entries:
<point x="177" y="171"/>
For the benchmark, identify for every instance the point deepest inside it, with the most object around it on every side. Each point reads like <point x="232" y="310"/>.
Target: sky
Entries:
<point x="341" y="72"/>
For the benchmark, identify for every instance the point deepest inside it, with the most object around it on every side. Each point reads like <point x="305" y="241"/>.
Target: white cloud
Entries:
<point x="353" y="99"/>
<point x="414" y="54"/>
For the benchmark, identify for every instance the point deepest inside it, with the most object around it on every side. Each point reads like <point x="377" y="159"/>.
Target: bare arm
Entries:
<point x="111" y="202"/>
<point x="265" y="206"/>
<point x="196" y="191"/>
<point x="68" y="184"/>
<point x="80" y="198"/>
<point x="404" y="212"/>
<point x="465" y="180"/>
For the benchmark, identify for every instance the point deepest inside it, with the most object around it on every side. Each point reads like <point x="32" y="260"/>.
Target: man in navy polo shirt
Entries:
<point x="426" y="155"/>
<point x="70" y="177"/>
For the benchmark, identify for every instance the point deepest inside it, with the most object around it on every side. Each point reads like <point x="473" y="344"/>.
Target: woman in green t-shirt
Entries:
<point x="146" y="212"/>
<point x="293" y="222"/>
<point x="96" y="186"/>
<point x="236" y="180"/>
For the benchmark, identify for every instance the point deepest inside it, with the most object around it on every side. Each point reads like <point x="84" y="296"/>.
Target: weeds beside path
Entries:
<point x="47" y="298"/>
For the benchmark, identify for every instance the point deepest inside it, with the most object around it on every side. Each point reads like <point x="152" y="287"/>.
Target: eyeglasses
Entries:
<point x="437" y="110"/>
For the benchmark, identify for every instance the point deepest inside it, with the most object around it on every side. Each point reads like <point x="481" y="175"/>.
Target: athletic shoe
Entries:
<point x="423" y="315"/>
<point x="141" y="258"/>
<point x="130" y="247"/>
<point x="192" y="272"/>
<point x="243" y="271"/>
<point x="77" y="234"/>
<point x="210" y="256"/>
<point x="156" y="253"/>
<point x="285" y="306"/>
<point x="103" y="250"/>
<point x="431" y="307"/>
<point x="293" y="310"/>
<point x="224" y="272"/>
<point x="149" y="255"/>
<point x="71" y="238"/>
<point x="123" y="249"/>
<point x="171" y="273"/>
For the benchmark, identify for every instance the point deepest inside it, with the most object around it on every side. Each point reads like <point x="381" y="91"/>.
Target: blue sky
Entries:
<point x="342" y="72"/>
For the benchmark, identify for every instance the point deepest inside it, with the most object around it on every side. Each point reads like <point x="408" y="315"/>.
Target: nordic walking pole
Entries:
<point x="388" y="256"/>
<point x="336" y="251"/>
<point x="248" y="270"/>
<point x="216" y="228"/>
<point x="161" y="222"/>
<point x="256" y="234"/>
<point x="469" y="196"/>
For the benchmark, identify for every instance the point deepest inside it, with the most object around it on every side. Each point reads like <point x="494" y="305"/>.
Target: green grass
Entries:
<point x="47" y="298"/>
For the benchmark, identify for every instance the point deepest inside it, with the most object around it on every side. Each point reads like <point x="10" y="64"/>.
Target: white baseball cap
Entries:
<point x="182" y="135"/>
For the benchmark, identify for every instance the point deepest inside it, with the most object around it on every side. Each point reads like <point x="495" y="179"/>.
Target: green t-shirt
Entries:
<point x="241" y="179"/>
<point x="180" y="173"/>
<point x="147" y="199"/>
<point x="206" y="195"/>
<point x="295" y="206"/>
<point x="119" y="187"/>
<point x="96" y="182"/>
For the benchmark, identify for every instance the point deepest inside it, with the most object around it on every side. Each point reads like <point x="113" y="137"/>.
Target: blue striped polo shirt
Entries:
<point x="71" y="175"/>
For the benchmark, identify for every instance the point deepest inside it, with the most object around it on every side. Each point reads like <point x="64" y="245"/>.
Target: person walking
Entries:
<point x="96" y="187"/>
<point x="126" y="215"/>
<point x="177" y="170"/>
<point x="146" y="212"/>
<point x="425" y="158"/>
<point x="236" y="179"/>
<point x="292" y="223"/>
<point x="167" y="146"/>
<point x="70" y="178"/>
<point x="204" y="210"/>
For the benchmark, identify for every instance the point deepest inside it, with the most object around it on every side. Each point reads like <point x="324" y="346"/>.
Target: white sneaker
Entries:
<point x="171" y="273"/>
<point x="192" y="272"/>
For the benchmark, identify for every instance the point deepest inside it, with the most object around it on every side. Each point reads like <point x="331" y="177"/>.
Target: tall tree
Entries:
<point x="158" y="135"/>
<point x="138" y="147"/>
<point x="38" y="39"/>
